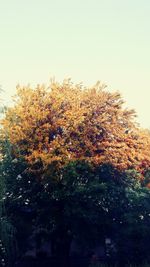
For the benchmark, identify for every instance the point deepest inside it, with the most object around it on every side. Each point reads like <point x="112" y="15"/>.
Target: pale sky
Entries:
<point x="87" y="40"/>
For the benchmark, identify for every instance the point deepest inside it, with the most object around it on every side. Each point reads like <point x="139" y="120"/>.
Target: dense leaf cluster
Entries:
<point x="67" y="122"/>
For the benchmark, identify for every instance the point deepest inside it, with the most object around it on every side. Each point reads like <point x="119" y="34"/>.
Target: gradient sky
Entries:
<point x="87" y="40"/>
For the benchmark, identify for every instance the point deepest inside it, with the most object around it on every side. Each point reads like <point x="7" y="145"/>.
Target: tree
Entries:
<point x="70" y="150"/>
<point x="6" y="229"/>
<point x="66" y="122"/>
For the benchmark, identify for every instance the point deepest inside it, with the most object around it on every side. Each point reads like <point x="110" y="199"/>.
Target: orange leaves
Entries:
<point x="67" y="122"/>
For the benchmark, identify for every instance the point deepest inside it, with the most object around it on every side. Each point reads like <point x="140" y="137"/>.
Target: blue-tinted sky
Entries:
<point x="87" y="40"/>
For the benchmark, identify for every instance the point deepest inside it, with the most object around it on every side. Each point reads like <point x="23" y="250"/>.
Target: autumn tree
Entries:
<point x="61" y="137"/>
<point x="66" y="122"/>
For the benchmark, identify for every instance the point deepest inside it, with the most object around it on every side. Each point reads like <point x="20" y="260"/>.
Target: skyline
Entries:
<point x="88" y="41"/>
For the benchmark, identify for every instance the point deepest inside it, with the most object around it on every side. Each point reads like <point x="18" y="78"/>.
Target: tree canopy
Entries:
<point x="66" y="122"/>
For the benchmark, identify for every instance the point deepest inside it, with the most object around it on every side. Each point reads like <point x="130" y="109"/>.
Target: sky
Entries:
<point x="86" y="40"/>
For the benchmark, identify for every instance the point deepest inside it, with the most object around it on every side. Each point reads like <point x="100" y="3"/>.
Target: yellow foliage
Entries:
<point x="66" y="122"/>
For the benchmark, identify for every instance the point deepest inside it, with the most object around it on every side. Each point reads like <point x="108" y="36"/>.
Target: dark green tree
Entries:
<point x="6" y="229"/>
<point x="77" y="202"/>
